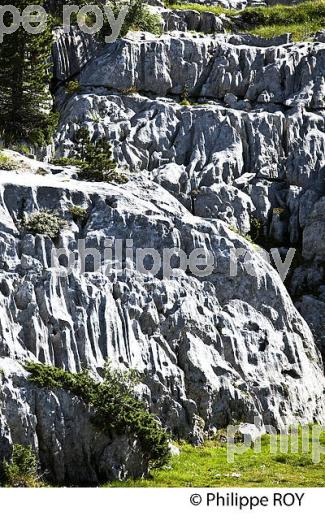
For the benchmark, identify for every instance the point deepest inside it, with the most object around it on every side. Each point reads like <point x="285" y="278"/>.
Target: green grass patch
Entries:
<point x="203" y="8"/>
<point x="207" y="466"/>
<point x="302" y="20"/>
<point x="300" y="32"/>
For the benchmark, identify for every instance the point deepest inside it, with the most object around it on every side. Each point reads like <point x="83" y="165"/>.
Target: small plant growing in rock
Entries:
<point x="44" y="223"/>
<point x="21" y="471"/>
<point x="278" y="211"/>
<point x="6" y="163"/>
<point x="97" y="162"/>
<point x="256" y="231"/>
<point x="78" y="213"/>
<point x="129" y="90"/>
<point x="185" y="97"/>
<point x="42" y="172"/>
<point x="72" y="87"/>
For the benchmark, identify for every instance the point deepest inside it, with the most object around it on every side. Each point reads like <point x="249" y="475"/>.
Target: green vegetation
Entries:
<point x="25" y="100"/>
<point x="302" y="20"/>
<point x="207" y="466"/>
<point x="256" y="232"/>
<point x="78" y="213"/>
<point x="72" y="87"/>
<point x="247" y="237"/>
<point x="6" y="163"/>
<point x="138" y="18"/>
<point x="44" y="223"/>
<point x="117" y="409"/>
<point x="67" y="161"/>
<point x="21" y="471"/>
<point x="41" y="171"/>
<point x="201" y="8"/>
<point x="96" y="159"/>
<point x="22" y="149"/>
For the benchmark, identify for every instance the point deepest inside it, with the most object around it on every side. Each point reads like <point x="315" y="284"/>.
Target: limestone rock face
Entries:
<point x="249" y="143"/>
<point x="221" y="346"/>
<point x="290" y="74"/>
<point x="71" y="51"/>
<point x="214" y="132"/>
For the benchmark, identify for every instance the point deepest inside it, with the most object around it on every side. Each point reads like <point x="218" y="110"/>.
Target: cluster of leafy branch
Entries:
<point x="21" y="470"/>
<point x="95" y="159"/>
<point x="26" y="114"/>
<point x="25" y="99"/>
<point x="116" y="406"/>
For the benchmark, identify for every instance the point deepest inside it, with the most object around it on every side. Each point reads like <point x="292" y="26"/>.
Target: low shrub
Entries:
<point x="67" y="161"/>
<point x="78" y="213"/>
<point x="93" y="173"/>
<point x="72" y="87"/>
<point x="116" y="406"/>
<point x="21" y="471"/>
<point x="44" y="223"/>
<point x="6" y="163"/>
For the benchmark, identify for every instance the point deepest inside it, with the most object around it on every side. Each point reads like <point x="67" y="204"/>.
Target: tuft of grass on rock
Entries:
<point x="217" y="10"/>
<point x="7" y="164"/>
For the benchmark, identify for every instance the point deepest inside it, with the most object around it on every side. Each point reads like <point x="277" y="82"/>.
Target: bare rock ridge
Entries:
<point x="215" y="131"/>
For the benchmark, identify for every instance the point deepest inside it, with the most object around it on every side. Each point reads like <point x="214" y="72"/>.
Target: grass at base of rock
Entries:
<point x="207" y="466"/>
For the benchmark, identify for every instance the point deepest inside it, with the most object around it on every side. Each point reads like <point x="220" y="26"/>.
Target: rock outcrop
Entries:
<point x="219" y="347"/>
<point x="216" y="133"/>
<point x="248" y="143"/>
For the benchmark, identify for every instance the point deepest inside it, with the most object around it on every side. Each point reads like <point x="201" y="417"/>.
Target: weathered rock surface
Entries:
<point x="190" y="20"/>
<point x="255" y="134"/>
<point x="71" y="51"/>
<point x="220" y="347"/>
<point x="290" y="75"/>
<point x="248" y="142"/>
